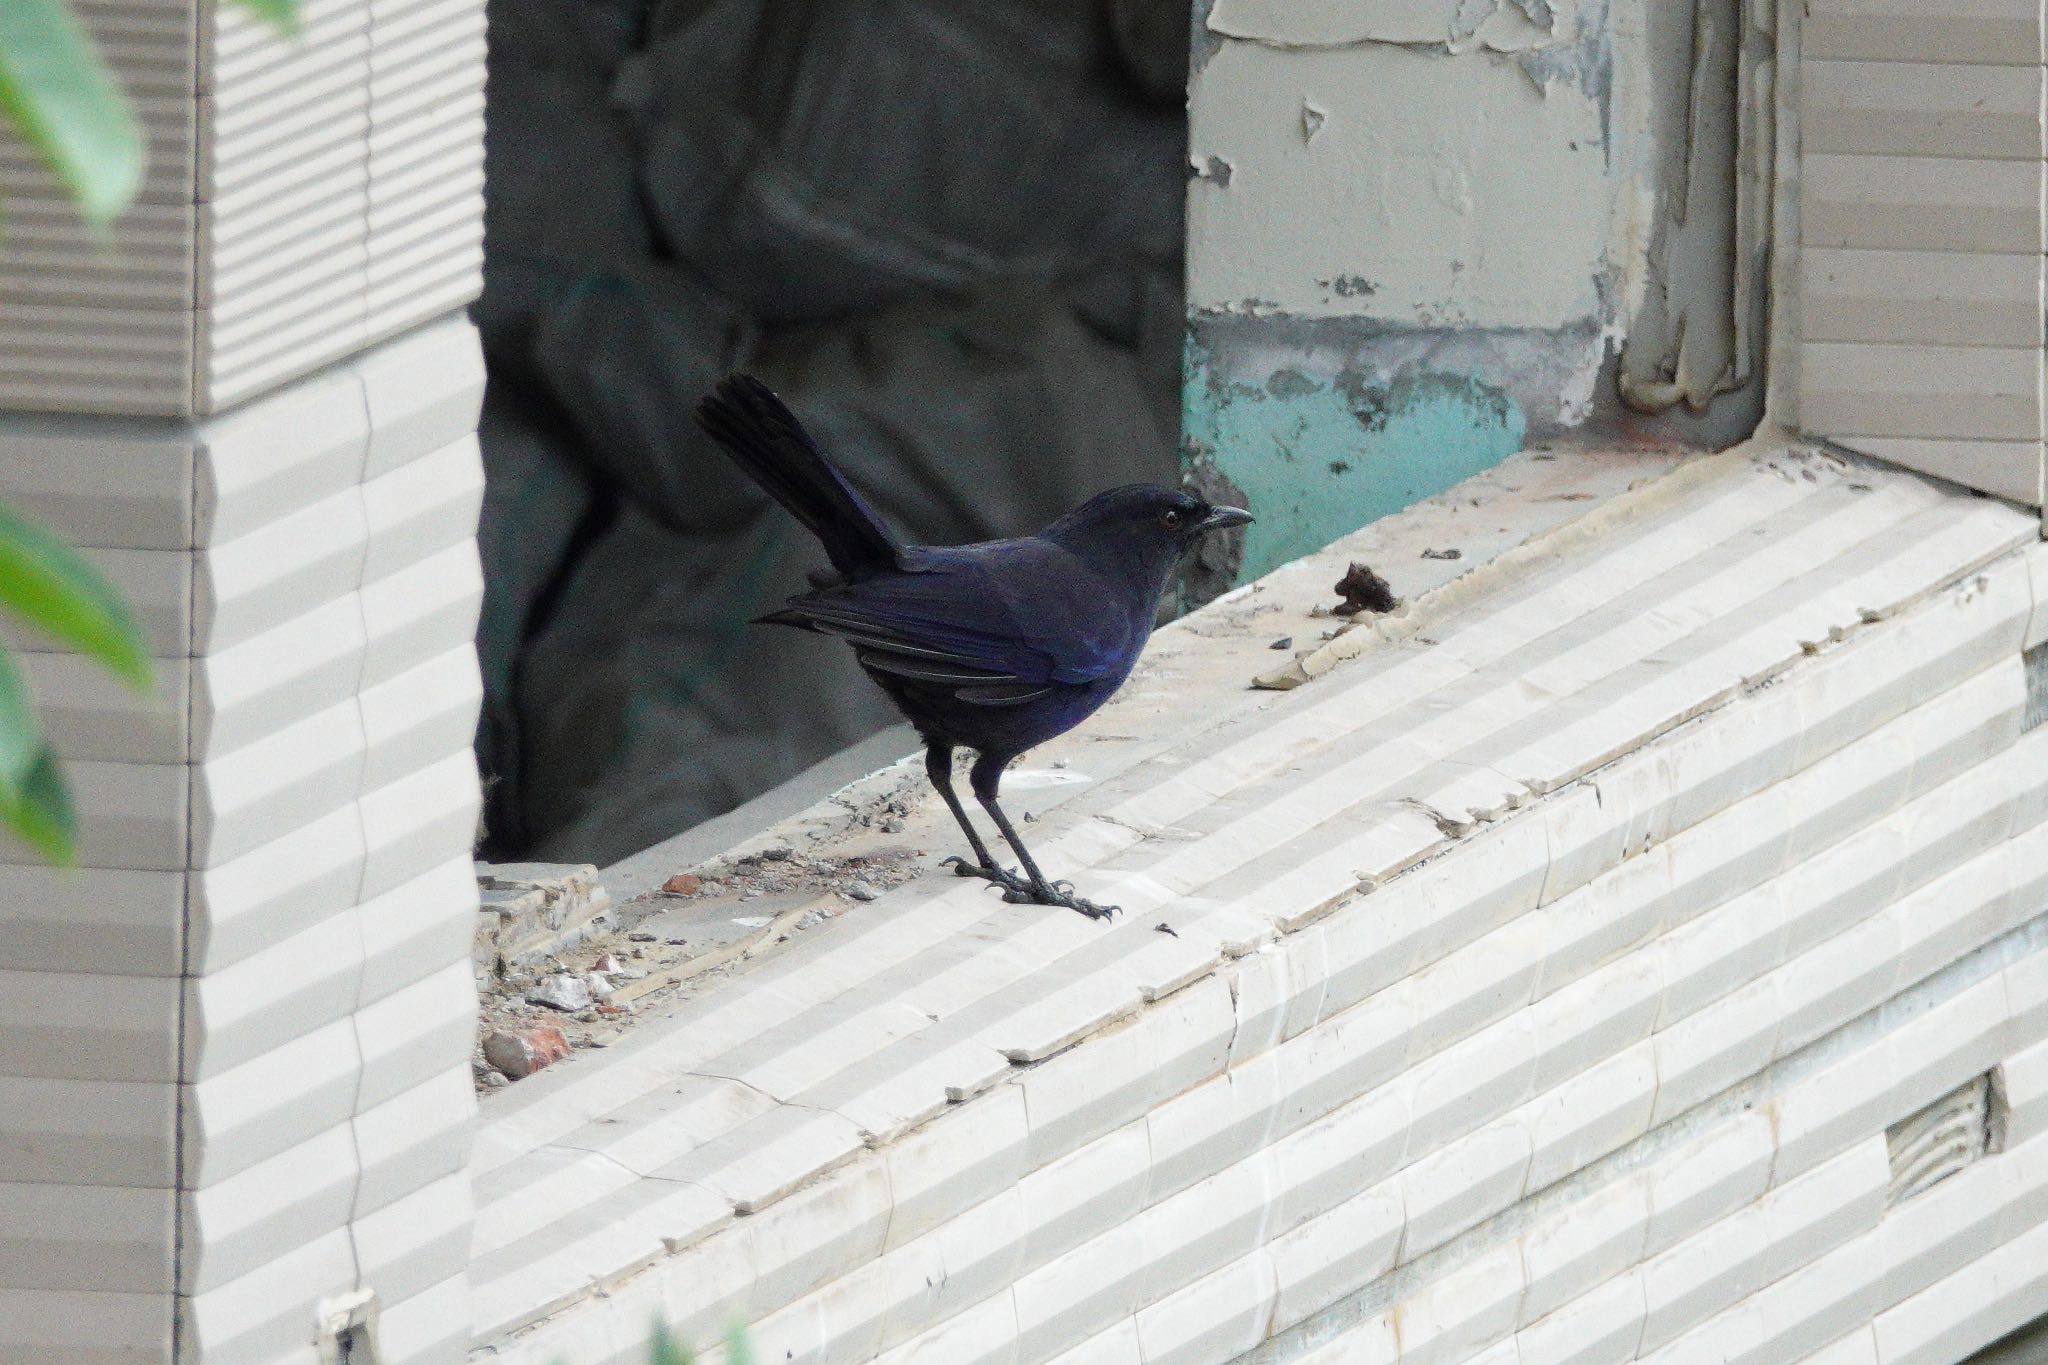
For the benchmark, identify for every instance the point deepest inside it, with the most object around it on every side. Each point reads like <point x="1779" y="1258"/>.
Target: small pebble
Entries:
<point x="1284" y="642"/>
<point x="861" y="891"/>
<point x="676" y="942"/>
<point x="777" y="854"/>
<point x="683" y="884"/>
<point x="892" y="826"/>
<point x="564" y="992"/>
<point x="642" y="936"/>
<point x="523" y="1051"/>
<point x="494" y="1080"/>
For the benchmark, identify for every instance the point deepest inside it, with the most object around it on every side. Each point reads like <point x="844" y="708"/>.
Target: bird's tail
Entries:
<point x="767" y="442"/>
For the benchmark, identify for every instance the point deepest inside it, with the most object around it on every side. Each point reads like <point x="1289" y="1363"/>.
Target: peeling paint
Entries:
<point x="1291" y="383"/>
<point x="1409" y="170"/>
<point x="1449" y="26"/>
<point x="1320" y="448"/>
<point x="1549" y="373"/>
<point x="1585" y="64"/>
<point x="1449" y="217"/>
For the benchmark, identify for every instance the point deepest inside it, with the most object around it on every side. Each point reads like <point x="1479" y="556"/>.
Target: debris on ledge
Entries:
<point x="513" y="1053"/>
<point x="693" y="922"/>
<point x="1364" y="590"/>
<point x="533" y="910"/>
<point x="555" y="996"/>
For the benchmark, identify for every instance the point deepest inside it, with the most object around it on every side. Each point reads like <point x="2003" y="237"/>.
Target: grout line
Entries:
<point x="1682" y="1123"/>
<point x="1266" y="1141"/>
<point x="179" y="1094"/>
<point x="1872" y="1026"/>
<point x="1526" y="813"/>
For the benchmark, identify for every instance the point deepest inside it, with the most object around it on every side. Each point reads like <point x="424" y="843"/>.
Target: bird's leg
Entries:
<point x="938" y="766"/>
<point x="984" y="778"/>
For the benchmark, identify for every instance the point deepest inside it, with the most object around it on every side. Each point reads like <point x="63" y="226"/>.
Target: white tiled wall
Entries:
<point x="1922" y="137"/>
<point x="1763" y="869"/>
<point x="242" y="1028"/>
<point x="304" y="197"/>
<point x="236" y="1082"/>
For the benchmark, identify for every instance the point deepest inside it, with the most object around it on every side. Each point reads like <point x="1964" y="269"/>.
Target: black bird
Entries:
<point x="993" y="647"/>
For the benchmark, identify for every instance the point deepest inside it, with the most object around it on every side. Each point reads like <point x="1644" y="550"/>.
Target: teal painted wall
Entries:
<point x="1411" y="231"/>
<point x="1316" y="456"/>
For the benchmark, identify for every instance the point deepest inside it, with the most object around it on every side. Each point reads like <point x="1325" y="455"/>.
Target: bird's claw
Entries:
<point x="1105" y="913"/>
<point x="1060" y="894"/>
<point x="1019" y="891"/>
<point x="1012" y="884"/>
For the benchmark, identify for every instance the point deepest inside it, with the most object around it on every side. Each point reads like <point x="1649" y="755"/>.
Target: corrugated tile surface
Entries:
<point x="303" y="197"/>
<point x="1922" y="224"/>
<point x="222" y="1034"/>
<point x="1547" y="991"/>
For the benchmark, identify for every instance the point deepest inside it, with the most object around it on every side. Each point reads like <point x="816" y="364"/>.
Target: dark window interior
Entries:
<point x="948" y="232"/>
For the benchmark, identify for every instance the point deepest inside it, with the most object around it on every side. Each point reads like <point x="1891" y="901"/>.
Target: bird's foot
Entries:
<point x="1013" y="885"/>
<point x="1060" y="894"/>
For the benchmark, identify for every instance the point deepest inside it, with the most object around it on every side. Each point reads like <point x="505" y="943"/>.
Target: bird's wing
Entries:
<point x="999" y="622"/>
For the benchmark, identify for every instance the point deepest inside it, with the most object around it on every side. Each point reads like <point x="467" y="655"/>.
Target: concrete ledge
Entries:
<point x="531" y="911"/>
<point x="1658" y="829"/>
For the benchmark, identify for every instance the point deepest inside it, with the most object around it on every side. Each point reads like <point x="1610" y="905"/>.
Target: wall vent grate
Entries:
<point x="1935" y="1143"/>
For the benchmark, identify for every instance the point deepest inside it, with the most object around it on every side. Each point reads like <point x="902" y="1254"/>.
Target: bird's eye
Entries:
<point x="1172" y="518"/>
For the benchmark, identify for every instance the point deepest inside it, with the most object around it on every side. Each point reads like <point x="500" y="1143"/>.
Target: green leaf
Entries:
<point x="44" y="581"/>
<point x="55" y="89"/>
<point x="283" y="15"/>
<point x="33" y="801"/>
<point x="40" y="812"/>
<point x="21" y="739"/>
<point x="665" y="1349"/>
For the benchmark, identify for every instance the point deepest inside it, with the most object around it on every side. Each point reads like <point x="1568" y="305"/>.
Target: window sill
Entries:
<point x="1585" y="623"/>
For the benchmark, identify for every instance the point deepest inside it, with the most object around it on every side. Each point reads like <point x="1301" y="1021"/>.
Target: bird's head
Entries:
<point x="1143" y="525"/>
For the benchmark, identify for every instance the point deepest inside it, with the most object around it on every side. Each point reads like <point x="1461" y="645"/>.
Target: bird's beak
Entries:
<point x="1223" y="518"/>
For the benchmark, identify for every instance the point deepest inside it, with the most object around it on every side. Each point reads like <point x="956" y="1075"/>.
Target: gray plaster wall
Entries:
<point x="1424" y="234"/>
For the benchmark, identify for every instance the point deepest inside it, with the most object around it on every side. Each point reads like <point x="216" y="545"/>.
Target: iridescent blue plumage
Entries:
<point x="995" y="647"/>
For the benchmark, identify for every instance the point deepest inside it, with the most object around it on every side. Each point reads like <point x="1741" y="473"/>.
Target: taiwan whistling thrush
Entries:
<point x="993" y="647"/>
